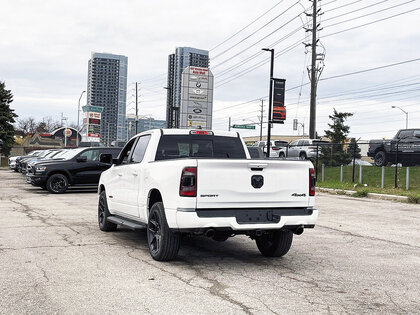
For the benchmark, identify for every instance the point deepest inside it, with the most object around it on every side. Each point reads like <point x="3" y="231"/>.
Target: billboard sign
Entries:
<point x="92" y="122"/>
<point x="279" y="109"/>
<point x="196" y="98"/>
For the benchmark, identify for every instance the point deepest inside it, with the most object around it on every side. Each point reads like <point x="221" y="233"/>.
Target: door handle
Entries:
<point x="119" y="174"/>
<point x="135" y="174"/>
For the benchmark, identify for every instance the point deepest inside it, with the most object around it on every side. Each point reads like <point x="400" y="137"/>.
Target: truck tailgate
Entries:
<point x="232" y="183"/>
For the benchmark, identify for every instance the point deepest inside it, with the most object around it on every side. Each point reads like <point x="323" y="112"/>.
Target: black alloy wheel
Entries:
<point x="380" y="158"/>
<point x="57" y="183"/>
<point x="154" y="233"/>
<point x="163" y="243"/>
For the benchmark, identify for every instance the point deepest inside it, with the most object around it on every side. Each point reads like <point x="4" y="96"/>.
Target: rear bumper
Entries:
<point x="221" y="218"/>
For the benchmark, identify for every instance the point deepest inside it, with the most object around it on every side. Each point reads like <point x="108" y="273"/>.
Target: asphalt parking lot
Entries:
<point x="363" y="256"/>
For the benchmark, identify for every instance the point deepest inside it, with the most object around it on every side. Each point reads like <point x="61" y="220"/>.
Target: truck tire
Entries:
<point x="103" y="214"/>
<point x="163" y="243"/>
<point x="281" y="155"/>
<point x="57" y="183"/>
<point x="380" y="158"/>
<point x="275" y="243"/>
<point x="302" y="156"/>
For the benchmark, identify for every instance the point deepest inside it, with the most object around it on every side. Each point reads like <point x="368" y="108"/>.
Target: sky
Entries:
<point x="45" y="47"/>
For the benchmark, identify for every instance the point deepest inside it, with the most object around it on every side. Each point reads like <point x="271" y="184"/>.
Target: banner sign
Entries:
<point x="279" y="109"/>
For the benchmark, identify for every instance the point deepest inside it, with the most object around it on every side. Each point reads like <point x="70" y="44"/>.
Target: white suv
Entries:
<point x="278" y="148"/>
<point x="305" y="148"/>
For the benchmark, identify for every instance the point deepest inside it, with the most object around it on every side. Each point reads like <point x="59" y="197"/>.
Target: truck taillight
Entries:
<point x="275" y="148"/>
<point x="311" y="182"/>
<point x="188" y="185"/>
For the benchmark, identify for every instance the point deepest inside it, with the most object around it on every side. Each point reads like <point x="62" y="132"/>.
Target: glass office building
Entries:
<point x="107" y="88"/>
<point x="183" y="57"/>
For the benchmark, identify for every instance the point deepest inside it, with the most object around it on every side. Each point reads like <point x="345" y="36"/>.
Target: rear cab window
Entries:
<point x="199" y="146"/>
<point x="405" y="134"/>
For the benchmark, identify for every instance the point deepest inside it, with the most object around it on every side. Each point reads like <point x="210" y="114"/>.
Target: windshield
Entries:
<point x="69" y="154"/>
<point x="281" y="143"/>
<point x="320" y="142"/>
<point x="183" y="146"/>
<point x="47" y="154"/>
<point x="60" y="153"/>
<point x="34" y="153"/>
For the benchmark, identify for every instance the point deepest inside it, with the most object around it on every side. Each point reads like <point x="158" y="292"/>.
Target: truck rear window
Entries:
<point x="200" y="146"/>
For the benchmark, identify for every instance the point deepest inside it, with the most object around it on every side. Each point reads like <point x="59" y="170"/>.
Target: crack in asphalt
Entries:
<point x="372" y="238"/>
<point x="31" y="213"/>
<point x="395" y="304"/>
<point x="216" y="289"/>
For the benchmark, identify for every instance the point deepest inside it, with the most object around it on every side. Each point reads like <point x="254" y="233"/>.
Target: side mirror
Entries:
<point x="82" y="158"/>
<point x="115" y="161"/>
<point x="105" y="158"/>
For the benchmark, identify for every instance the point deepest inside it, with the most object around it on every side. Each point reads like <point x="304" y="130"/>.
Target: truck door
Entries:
<point x="87" y="168"/>
<point x="132" y="179"/>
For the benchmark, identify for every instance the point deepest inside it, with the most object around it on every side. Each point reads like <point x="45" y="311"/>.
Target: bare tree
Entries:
<point x="27" y="125"/>
<point x="51" y="123"/>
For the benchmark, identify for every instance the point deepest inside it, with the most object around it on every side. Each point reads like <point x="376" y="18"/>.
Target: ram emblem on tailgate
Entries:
<point x="257" y="181"/>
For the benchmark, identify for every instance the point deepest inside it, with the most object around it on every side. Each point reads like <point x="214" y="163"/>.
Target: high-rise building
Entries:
<point x="107" y="88"/>
<point x="183" y="58"/>
<point x="143" y="124"/>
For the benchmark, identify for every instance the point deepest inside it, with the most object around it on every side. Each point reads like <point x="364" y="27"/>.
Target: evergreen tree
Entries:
<point x="334" y="154"/>
<point x="353" y="148"/>
<point x="7" y="118"/>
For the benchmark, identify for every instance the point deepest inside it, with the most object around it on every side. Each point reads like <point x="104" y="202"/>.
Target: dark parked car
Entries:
<point x="22" y="158"/>
<point x="256" y="153"/>
<point x="385" y="151"/>
<point x="47" y="154"/>
<point x="80" y="166"/>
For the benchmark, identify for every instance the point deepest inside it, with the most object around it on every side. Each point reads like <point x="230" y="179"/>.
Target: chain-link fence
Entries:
<point x="382" y="164"/>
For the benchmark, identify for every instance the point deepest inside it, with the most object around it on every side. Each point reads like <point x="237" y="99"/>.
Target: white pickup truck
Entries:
<point x="198" y="182"/>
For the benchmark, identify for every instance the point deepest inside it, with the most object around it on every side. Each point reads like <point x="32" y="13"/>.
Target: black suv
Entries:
<point x="80" y="166"/>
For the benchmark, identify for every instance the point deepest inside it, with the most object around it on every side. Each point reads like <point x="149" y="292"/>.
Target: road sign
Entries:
<point x="243" y="127"/>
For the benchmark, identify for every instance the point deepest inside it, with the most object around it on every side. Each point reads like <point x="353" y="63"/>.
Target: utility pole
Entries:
<point x="316" y="69"/>
<point x="137" y="107"/>
<point x="261" y="118"/>
<point x="312" y="117"/>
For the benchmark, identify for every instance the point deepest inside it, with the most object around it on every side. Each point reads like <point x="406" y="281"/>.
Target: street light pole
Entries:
<point x="270" y="100"/>
<point x="406" y="115"/>
<point x="261" y="118"/>
<point x="78" y="119"/>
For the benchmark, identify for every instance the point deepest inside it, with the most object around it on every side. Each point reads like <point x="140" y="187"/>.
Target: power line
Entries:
<point x="370" y="23"/>
<point x="260" y="28"/>
<point x="242" y="29"/>
<point x="371" y="69"/>
<point x="255" y="66"/>
<point x="368" y="14"/>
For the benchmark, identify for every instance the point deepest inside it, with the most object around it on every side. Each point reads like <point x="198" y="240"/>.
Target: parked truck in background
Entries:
<point x="197" y="182"/>
<point x="385" y="152"/>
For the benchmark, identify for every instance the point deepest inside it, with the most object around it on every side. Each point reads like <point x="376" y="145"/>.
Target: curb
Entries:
<point x="369" y="195"/>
